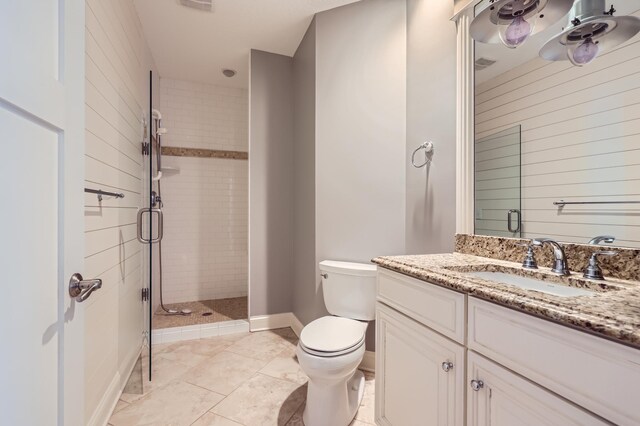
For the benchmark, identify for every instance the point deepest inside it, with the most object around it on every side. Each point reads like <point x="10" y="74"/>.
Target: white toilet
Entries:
<point x="332" y="347"/>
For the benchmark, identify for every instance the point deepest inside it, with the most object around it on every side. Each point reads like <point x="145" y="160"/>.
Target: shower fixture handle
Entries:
<point x="81" y="289"/>
<point x="151" y="211"/>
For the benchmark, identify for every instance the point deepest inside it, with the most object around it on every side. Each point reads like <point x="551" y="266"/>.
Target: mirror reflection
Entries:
<point x="558" y="143"/>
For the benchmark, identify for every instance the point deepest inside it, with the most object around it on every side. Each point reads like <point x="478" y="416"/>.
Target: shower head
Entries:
<point x="156" y="114"/>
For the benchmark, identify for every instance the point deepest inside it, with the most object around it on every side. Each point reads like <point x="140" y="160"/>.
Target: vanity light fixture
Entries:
<point x="512" y="22"/>
<point x="592" y="29"/>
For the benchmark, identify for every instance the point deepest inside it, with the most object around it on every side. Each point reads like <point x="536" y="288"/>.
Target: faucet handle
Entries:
<point x="593" y="270"/>
<point x="529" y="261"/>
<point x="604" y="253"/>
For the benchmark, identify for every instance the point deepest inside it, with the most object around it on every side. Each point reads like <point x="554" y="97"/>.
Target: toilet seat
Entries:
<point x="332" y="336"/>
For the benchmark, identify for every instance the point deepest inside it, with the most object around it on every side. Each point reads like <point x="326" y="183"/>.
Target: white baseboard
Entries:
<point x="368" y="362"/>
<point x="102" y="413"/>
<point x="289" y="319"/>
<point x="270" y="322"/>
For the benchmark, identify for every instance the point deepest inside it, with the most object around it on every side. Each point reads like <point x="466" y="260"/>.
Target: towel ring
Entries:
<point x="428" y="154"/>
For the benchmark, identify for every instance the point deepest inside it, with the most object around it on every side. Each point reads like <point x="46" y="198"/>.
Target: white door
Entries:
<point x="41" y="211"/>
<point x="498" y="397"/>
<point x="419" y="374"/>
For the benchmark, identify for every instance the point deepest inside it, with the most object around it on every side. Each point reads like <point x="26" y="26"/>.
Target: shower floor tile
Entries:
<point x="219" y="310"/>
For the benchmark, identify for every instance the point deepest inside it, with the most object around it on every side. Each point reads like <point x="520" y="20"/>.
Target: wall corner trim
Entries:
<point x="289" y="319"/>
<point x="465" y="126"/>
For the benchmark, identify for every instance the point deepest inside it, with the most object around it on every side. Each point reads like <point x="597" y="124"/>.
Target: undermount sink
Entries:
<point x="536" y="279"/>
<point x="532" y="284"/>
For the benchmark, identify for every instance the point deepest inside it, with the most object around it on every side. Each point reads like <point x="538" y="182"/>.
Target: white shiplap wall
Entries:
<point x="117" y="69"/>
<point x="204" y="249"/>
<point x="580" y="141"/>
<point x="497" y="180"/>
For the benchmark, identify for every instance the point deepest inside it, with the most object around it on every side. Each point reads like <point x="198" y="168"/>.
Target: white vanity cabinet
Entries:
<point x="437" y="348"/>
<point x="591" y="372"/>
<point x="502" y="398"/>
<point x="419" y="374"/>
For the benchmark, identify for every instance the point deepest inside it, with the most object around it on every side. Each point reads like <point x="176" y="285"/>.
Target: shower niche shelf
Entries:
<point x="170" y="171"/>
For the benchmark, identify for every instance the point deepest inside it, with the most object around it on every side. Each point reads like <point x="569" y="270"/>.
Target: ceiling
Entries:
<point x="194" y="45"/>
<point x="507" y="59"/>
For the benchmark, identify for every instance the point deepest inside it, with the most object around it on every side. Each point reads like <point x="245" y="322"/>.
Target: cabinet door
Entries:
<point x="498" y="397"/>
<point x="419" y="374"/>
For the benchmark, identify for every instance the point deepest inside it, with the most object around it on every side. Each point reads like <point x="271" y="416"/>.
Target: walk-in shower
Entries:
<point x="194" y="220"/>
<point x="156" y="204"/>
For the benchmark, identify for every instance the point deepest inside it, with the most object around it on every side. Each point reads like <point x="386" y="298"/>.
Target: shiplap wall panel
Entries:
<point x="105" y="260"/>
<point x="580" y="142"/>
<point x="101" y="128"/>
<point x="540" y="115"/>
<point x="110" y="217"/>
<point x="99" y="149"/>
<point x="117" y="62"/>
<point x="105" y="239"/>
<point x="499" y="183"/>
<point x="606" y="94"/>
<point x="612" y="174"/>
<point x="98" y="171"/>
<point x="528" y="77"/>
<point x="503" y="172"/>
<point x="497" y="186"/>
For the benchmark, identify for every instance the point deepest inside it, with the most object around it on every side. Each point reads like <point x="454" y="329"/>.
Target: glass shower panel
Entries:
<point x="147" y="224"/>
<point x="498" y="184"/>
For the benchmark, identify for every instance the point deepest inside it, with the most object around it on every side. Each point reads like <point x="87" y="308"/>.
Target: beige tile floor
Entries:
<point x="247" y="379"/>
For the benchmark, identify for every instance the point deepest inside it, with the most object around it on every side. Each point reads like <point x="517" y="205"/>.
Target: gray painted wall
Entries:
<point x="360" y="131"/>
<point x="431" y="115"/>
<point x="369" y="82"/>
<point x="270" y="183"/>
<point x="360" y="134"/>
<point x="306" y="285"/>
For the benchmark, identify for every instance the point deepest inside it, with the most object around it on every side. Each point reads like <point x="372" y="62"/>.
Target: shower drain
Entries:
<point x="207" y="314"/>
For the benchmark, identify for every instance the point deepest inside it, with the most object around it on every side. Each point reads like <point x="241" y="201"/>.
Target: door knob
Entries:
<point x="476" y="385"/>
<point x="81" y="289"/>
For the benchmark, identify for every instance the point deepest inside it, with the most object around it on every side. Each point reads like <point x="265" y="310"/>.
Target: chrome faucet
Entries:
<point x="602" y="239"/>
<point x="560" y="266"/>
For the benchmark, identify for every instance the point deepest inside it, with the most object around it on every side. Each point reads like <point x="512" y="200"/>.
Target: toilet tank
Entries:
<point x="349" y="289"/>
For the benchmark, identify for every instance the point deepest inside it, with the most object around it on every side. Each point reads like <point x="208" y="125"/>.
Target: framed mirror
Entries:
<point x="557" y="146"/>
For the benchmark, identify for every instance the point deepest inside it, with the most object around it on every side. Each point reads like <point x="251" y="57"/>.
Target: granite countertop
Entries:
<point x="612" y="311"/>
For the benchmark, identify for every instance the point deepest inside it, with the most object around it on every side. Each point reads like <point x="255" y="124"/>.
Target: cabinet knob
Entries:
<point x="476" y="385"/>
<point x="447" y="366"/>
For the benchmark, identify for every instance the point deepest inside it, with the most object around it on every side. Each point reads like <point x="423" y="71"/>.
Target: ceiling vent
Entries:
<point x="482" y="63"/>
<point x="205" y="5"/>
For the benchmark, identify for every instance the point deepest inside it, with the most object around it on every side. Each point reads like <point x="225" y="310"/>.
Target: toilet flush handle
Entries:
<point x="325" y="276"/>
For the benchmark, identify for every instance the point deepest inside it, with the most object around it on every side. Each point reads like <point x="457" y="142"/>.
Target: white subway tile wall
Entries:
<point x="200" y="115"/>
<point x="206" y="203"/>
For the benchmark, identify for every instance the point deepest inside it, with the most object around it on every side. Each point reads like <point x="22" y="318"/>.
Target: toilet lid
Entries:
<point x="332" y="334"/>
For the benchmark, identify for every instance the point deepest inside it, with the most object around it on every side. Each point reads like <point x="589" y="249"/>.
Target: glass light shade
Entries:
<point x="584" y="52"/>
<point x="517" y="31"/>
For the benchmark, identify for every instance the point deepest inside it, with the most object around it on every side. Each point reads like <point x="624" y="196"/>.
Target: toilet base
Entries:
<point x="336" y="405"/>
